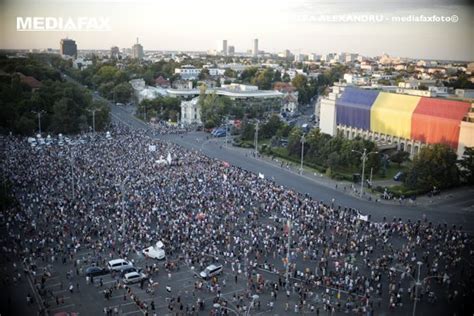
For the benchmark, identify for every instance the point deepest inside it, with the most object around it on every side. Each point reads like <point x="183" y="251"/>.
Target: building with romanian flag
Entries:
<point x="394" y="120"/>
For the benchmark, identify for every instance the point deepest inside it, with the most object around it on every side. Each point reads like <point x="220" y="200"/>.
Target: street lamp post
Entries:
<point x="364" y="156"/>
<point x="39" y="119"/>
<point x="72" y="174"/>
<point x="302" y="153"/>
<point x="256" y="139"/>
<point x="418" y="282"/>
<point x="93" y="118"/>
<point x="254" y="298"/>
<point x="287" y="276"/>
<point x="226" y="132"/>
<point x="219" y="306"/>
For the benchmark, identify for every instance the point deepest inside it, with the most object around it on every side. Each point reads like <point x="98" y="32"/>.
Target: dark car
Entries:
<point x="95" y="271"/>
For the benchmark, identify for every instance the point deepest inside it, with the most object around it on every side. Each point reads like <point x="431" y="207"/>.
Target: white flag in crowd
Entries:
<point x="261" y="176"/>
<point x="169" y="159"/>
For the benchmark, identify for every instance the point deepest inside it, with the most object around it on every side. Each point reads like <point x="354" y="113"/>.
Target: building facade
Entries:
<point x="405" y="122"/>
<point x="137" y="51"/>
<point x="68" y="47"/>
<point x="190" y="112"/>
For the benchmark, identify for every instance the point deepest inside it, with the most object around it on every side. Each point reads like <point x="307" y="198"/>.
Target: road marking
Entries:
<point x="133" y="312"/>
<point x="62" y="307"/>
<point x="60" y="298"/>
<point x="38" y="299"/>
<point x="60" y="291"/>
<point x="54" y="285"/>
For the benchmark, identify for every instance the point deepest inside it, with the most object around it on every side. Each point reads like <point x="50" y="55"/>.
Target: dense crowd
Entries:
<point x="116" y="197"/>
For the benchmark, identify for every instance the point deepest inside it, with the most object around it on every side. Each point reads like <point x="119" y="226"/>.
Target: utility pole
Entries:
<point x="364" y="156"/>
<point x="226" y="132"/>
<point x="302" y="153"/>
<point x="72" y="174"/>
<point x="417" y="284"/>
<point x="93" y="119"/>
<point x="288" y="255"/>
<point x="256" y="139"/>
<point x="39" y="119"/>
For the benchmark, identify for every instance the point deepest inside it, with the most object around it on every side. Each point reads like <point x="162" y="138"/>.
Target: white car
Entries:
<point x="134" y="277"/>
<point x="155" y="252"/>
<point x="119" y="265"/>
<point x="210" y="271"/>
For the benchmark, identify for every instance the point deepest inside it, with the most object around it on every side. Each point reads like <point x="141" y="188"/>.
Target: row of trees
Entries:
<point x="437" y="166"/>
<point x="163" y="108"/>
<point x="64" y="106"/>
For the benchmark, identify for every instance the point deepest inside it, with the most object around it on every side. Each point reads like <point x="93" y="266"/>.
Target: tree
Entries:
<point x="67" y="116"/>
<point x="214" y="108"/>
<point x="467" y="166"/>
<point x="102" y="114"/>
<point x="294" y="142"/>
<point x="230" y="73"/>
<point x="122" y="92"/>
<point x="264" y="79"/>
<point x="204" y="74"/>
<point x="399" y="157"/>
<point x="247" y="130"/>
<point x="271" y="127"/>
<point x="434" y="166"/>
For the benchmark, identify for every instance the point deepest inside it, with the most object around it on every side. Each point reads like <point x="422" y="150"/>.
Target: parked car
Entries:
<point x="96" y="271"/>
<point x="128" y="270"/>
<point x="134" y="277"/>
<point x="155" y="252"/>
<point x="119" y="265"/>
<point x="210" y="271"/>
<point x="399" y="176"/>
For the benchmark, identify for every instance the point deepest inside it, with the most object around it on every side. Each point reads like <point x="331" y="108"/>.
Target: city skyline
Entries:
<point x="293" y="26"/>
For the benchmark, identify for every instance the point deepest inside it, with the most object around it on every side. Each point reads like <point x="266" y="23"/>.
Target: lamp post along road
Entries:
<point x="256" y="139"/>
<point x="288" y="255"/>
<point x="419" y="263"/>
<point x="417" y="281"/>
<point x="226" y="127"/>
<point x="39" y="119"/>
<point x="302" y="153"/>
<point x="93" y="118"/>
<point x="364" y="156"/>
<point x="72" y="174"/>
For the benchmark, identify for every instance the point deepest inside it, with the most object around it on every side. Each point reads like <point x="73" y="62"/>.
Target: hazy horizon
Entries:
<point x="186" y="25"/>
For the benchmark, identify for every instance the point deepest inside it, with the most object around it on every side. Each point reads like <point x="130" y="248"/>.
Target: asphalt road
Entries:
<point x="455" y="212"/>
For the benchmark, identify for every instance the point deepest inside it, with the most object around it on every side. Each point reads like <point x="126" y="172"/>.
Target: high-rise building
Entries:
<point x="68" y="47"/>
<point x="224" y="47"/>
<point x="114" y="52"/>
<point x="255" y="47"/>
<point x="231" y="51"/>
<point x="137" y="51"/>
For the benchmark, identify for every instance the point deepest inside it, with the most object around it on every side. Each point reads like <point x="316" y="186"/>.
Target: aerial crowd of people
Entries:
<point x="116" y="196"/>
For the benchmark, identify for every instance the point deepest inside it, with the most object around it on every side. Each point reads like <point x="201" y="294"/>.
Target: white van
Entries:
<point x="119" y="265"/>
<point x="210" y="271"/>
<point x="155" y="252"/>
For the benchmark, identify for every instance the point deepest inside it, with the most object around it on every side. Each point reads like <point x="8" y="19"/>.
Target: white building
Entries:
<point x="142" y="91"/>
<point x="191" y="112"/>
<point x="188" y="72"/>
<point x="299" y="58"/>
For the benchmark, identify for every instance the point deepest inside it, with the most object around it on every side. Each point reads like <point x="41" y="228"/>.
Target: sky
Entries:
<point x="302" y="26"/>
